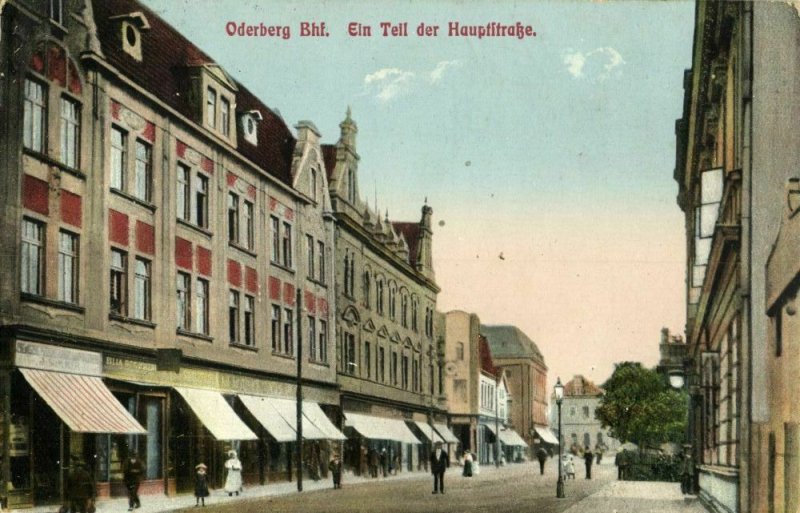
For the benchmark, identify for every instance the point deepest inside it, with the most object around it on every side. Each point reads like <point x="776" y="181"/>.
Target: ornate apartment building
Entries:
<point x="167" y="251"/>
<point x="388" y="351"/>
<point x="736" y="153"/>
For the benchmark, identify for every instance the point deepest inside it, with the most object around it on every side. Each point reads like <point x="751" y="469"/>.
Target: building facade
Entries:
<point x="580" y="428"/>
<point x="526" y="373"/>
<point x="388" y="352"/>
<point x="735" y="152"/>
<point x="130" y="153"/>
<point x="672" y="358"/>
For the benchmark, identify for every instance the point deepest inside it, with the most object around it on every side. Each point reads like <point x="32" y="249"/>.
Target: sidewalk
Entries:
<point x="638" y="497"/>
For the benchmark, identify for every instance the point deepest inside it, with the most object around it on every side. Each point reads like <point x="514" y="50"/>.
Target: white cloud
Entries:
<point x="387" y="84"/>
<point x="598" y="64"/>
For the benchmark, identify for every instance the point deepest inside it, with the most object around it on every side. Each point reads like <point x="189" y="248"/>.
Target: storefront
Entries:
<point x="368" y="433"/>
<point x="513" y="445"/>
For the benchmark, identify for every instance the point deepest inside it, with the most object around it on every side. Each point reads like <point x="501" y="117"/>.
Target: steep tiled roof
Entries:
<point x="329" y="156"/>
<point x="579" y="386"/>
<point x="410" y="232"/>
<point x="508" y="341"/>
<point x="166" y="57"/>
<point x="485" y="355"/>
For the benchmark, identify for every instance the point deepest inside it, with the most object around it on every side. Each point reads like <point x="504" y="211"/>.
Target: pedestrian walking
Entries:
<point x="80" y="488"/>
<point x="467" y="464"/>
<point x="541" y="455"/>
<point x="335" y="466"/>
<point x="233" y="478"/>
<point x="621" y="461"/>
<point x="439" y="463"/>
<point x="687" y="472"/>
<point x="374" y="461"/>
<point x="363" y="461"/>
<point x="200" y="484"/>
<point x="588" y="458"/>
<point x="132" y="474"/>
<point x="599" y="449"/>
<point x="569" y="466"/>
<point x="384" y="462"/>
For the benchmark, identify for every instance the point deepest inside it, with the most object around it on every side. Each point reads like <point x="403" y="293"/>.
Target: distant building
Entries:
<point x="579" y="426"/>
<point x="673" y="353"/>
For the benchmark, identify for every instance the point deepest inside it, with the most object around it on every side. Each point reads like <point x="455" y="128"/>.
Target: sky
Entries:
<point x="547" y="160"/>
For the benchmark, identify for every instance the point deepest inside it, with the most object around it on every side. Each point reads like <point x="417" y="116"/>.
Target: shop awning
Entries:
<point x="287" y="408"/>
<point x="268" y="416"/>
<point x="216" y="414"/>
<point x="445" y="433"/>
<point x="546" y="435"/>
<point x="380" y="428"/>
<point x="316" y="416"/>
<point x="428" y="431"/>
<point x="84" y="403"/>
<point x="512" y="438"/>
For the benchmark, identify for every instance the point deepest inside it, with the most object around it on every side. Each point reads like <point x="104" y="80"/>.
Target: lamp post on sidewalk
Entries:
<point x="559" y="391"/>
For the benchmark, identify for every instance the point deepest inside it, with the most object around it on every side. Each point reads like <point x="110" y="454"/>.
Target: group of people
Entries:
<point x="233" y="479"/>
<point x="374" y="462"/>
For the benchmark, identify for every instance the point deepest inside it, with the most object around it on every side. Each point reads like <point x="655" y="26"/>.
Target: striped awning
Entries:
<point x="445" y="433"/>
<point x="381" y="428"/>
<point x="316" y="416"/>
<point x="279" y="418"/>
<point x="268" y="416"/>
<point x="512" y="438"/>
<point x="216" y="414"/>
<point x="546" y="435"/>
<point x="84" y="403"/>
<point x="428" y="431"/>
<point x="287" y="408"/>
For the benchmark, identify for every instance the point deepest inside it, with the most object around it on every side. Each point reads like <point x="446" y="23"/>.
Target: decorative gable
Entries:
<point x="131" y="27"/>
<point x="369" y="326"/>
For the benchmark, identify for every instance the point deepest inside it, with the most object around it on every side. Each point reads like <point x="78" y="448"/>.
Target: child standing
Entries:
<point x="200" y="485"/>
<point x="335" y="466"/>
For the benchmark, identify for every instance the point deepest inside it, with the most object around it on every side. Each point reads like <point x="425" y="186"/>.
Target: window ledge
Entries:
<point x="131" y="320"/>
<point x="319" y="363"/>
<point x="130" y="197"/>
<point x="243" y="249"/>
<point x="245" y="347"/>
<point x="53" y="162"/>
<point x="281" y="266"/>
<point x="33" y="298"/>
<point x="192" y="334"/>
<point x="283" y="355"/>
<point x="317" y="282"/>
<point x="195" y="227"/>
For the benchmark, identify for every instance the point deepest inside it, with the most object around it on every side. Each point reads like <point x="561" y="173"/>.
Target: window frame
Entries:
<point x="233" y="217"/>
<point x="31" y="246"/>
<point x="119" y="169"/>
<point x="249" y="319"/>
<point x="144" y="166"/>
<point x="70" y="132"/>
<point x="142" y="297"/>
<point x="202" y="324"/>
<point x="118" y="286"/>
<point x="31" y="125"/>
<point x="73" y="256"/>
<point x="184" y="318"/>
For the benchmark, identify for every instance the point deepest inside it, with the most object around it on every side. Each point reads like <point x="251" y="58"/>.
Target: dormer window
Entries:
<point x="131" y="27"/>
<point x="225" y="116"/>
<point x="211" y="107"/>
<point x="248" y="124"/>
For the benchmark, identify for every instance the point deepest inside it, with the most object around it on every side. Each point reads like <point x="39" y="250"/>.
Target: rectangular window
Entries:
<point x="249" y="321"/>
<point x="312" y="337"/>
<point x="778" y="320"/>
<point x="405" y="372"/>
<point x="430" y="379"/>
<point x="143" y="172"/>
<point x="201" y="202"/>
<point x="288" y="325"/>
<point x="310" y="255"/>
<point x="321" y="261"/>
<point x="233" y="217"/>
<point x="34" y="116"/>
<point x="381" y="370"/>
<point x="32" y="257"/>
<point x="119" y="142"/>
<point x="393" y="370"/>
<point x="249" y="226"/>
<point x="276" y="328"/>
<point x="233" y="316"/>
<point x="224" y="116"/>
<point x="67" y="267"/>
<point x="367" y="360"/>
<point x="323" y="341"/>
<point x="141" y="282"/>
<point x="313" y="184"/>
<point x="70" y="132"/>
<point x="349" y="353"/>
<point x="119" y="282"/>
<point x="201" y="306"/>
<point x="211" y="107"/>
<point x="57" y="11"/>
<point x="183" y="295"/>
<point x="275" y="247"/>
<point x="183" y="202"/>
<point x="287" y="244"/>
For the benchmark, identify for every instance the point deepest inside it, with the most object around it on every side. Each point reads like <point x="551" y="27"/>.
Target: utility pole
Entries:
<point x="299" y="399"/>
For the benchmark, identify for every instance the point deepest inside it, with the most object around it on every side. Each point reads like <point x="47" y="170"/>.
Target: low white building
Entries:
<point x="580" y="427"/>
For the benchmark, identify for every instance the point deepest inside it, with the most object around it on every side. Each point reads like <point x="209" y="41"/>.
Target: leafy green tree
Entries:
<point x="639" y="406"/>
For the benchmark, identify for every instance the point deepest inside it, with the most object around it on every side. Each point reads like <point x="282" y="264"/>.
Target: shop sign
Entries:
<point x="33" y="355"/>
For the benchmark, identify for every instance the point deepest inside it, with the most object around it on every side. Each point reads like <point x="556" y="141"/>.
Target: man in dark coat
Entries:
<point x="132" y="474"/>
<point x="439" y="463"/>
<point x="80" y="488"/>
<point x="588" y="458"/>
<point x="541" y="455"/>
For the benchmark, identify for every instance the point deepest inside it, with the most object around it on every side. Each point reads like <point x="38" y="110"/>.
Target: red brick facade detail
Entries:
<point x="74" y="79"/>
<point x="208" y="165"/>
<point x="183" y="253"/>
<point x="288" y="294"/>
<point x="57" y="65"/>
<point x="115" y="108"/>
<point x="274" y="288"/>
<point x="273" y="204"/>
<point x="251" y="279"/>
<point x="251" y="192"/>
<point x="310" y="302"/>
<point x="322" y="307"/>
<point x="35" y="195"/>
<point x="231" y="179"/>
<point x="149" y="131"/>
<point x="118" y="230"/>
<point x="289" y="214"/>
<point x="204" y="260"/>
<point x="71" y="208"/>
<point x="180" y="149"/>
<point x="234" y="273"/>
<point x="145" y="238"/>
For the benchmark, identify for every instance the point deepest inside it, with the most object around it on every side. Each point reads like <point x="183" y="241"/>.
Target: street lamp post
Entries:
<point x="559" y="391"/>
<point x="496" y="420"/>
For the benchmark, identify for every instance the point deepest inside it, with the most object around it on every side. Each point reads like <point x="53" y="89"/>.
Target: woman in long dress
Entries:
<point x="233" y="478"/>
<point x="467" y="464"/>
